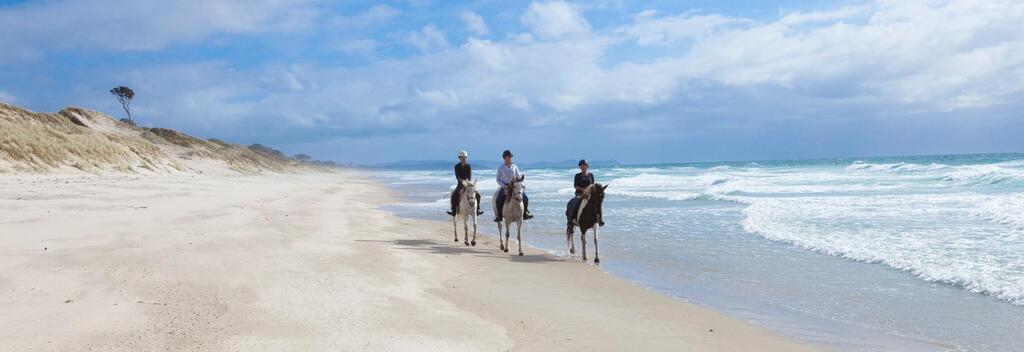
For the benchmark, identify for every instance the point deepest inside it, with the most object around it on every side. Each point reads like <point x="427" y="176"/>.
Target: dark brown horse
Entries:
<point x="588" y="217"/>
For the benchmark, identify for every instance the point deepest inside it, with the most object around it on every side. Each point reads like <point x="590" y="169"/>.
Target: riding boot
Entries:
<point x="526" y="209"/>
<point x="455" y="201"/>
<point x="499" y="204"/>
<point x="478" y="211"/>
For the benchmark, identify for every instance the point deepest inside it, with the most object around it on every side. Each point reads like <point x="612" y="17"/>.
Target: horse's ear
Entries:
<point x="604" y="188"/>
<point x="521" y="178"/>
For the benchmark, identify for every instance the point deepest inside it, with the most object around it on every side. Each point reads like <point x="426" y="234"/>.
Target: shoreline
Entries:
<point x="799" y="325"/>
<point x="304" y="262"/>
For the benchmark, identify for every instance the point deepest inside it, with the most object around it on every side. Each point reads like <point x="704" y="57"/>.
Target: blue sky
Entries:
<point x="635" y="81"/>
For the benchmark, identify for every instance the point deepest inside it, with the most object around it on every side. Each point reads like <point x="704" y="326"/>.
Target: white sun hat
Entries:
<point x="463" y="154"/>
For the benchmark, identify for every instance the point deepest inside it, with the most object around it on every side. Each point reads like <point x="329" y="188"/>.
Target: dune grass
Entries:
<point x="94" y="142"/>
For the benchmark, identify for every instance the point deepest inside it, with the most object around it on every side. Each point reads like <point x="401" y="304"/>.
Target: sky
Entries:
<point x="633" y="81"/>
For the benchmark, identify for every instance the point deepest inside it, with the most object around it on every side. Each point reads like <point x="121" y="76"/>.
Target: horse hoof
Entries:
<point x="506" y="250"/>
<point x="467" y="244"/>
<point x="473" y="243"/>
<point x="597" y="261"/>
<point x="572" y="251"/>
<point x="584" y="259"/>
<point x="456" y="240"/>
<point x="520" y="254"/>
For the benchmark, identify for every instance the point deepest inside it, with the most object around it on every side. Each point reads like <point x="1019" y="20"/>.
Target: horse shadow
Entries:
<point x="435" y="247"/>
<point x="447" y="248"/>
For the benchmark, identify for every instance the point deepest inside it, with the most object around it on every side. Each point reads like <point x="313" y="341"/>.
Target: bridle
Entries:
<point x="470" y="196"/>
<point x="511" y="193"/>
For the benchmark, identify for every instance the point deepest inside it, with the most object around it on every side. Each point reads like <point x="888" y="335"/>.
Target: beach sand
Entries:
<point x="303" y="263"/>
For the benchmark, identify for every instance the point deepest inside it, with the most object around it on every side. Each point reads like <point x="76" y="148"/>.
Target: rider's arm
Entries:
<point x="497" y="177"/>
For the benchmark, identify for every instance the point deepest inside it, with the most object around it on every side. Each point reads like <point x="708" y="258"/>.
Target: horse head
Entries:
<point x="595" y="194"/>
<point x="469" y="191"/>
<point x="515" y="189"/>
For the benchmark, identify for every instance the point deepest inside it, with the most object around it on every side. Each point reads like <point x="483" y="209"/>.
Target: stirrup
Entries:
<point x="450" y="212"/>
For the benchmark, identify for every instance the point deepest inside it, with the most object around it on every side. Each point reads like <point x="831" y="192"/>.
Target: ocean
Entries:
<point x="863" y="254"/>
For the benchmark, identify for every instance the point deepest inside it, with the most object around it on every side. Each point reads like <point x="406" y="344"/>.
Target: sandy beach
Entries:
<point x="302" y="262"/>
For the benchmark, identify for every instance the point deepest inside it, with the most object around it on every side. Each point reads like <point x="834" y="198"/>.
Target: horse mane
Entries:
<point x="593" y="187"/>
<point x="508" y="189"/>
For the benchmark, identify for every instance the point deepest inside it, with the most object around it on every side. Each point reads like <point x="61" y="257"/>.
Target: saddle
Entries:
<point x="579" y="209"/>
<point x="458" y="199"/>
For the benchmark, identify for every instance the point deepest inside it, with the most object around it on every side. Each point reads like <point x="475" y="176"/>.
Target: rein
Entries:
<point x="509" y="191"/>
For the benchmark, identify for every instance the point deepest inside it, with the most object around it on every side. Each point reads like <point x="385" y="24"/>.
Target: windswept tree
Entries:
<point x="124" y="96"/>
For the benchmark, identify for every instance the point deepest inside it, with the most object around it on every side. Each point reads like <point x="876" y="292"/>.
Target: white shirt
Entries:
<point x="507" y="173"/>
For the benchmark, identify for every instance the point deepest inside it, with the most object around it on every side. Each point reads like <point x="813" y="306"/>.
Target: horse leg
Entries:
<point x="508" y="233"/>
<point x="583" y="240"/>
<point x="465" y="230"/>
<point x="501" y="245"/>
<point x="474" y="230"/>
<point x="519" y="236"/>
<point x="571" y="241"/>
<point x="568" y="240"/>
<point x="455" y="226"/>
<point x="597" y="260"/>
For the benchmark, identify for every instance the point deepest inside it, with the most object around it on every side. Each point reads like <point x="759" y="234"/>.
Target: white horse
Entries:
<point x="467" y="211"/>
<point x="512" y="212"/>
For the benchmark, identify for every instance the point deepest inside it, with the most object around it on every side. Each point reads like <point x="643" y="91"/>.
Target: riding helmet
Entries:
<point x="506" y="153"/>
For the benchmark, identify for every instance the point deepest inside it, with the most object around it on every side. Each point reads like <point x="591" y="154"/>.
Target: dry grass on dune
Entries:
<point x="235" y="156"/>
<point x="39" y="141"/>
<point x="93" y="142"/>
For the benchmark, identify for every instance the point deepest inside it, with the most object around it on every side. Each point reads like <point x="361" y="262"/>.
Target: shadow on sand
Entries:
<point x="451" y="248"/>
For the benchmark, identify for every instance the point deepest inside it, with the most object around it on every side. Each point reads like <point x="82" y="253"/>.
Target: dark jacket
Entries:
<point x="582" y="181"/>
<point x="463" y="172"/>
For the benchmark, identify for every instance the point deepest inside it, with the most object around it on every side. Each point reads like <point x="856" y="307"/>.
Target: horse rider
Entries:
<point x="581" y="181"/>
<point x="463" y="171"/>
<point x="508" y="172"/>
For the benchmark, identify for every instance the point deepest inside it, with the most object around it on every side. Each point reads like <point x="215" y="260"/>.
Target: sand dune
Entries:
<point x="82" y="140"/>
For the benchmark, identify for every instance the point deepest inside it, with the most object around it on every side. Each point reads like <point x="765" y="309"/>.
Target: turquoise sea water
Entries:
<point x="865" y="254"/>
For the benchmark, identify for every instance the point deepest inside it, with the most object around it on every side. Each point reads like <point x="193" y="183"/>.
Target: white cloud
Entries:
<point x="883" y="59"/>
<point x="475" y="23"/>
<point x="142" y="25"/>
<point x="440" y="98"/>
<point x="362" y="47"/>
<point x="839" y="14"/>
<point x="555" y="20"/>
<point x="649" y="29"/>
<point x="428" y="39"/>
<point x="372" y="16"/>
<point x="888" y="59"/>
